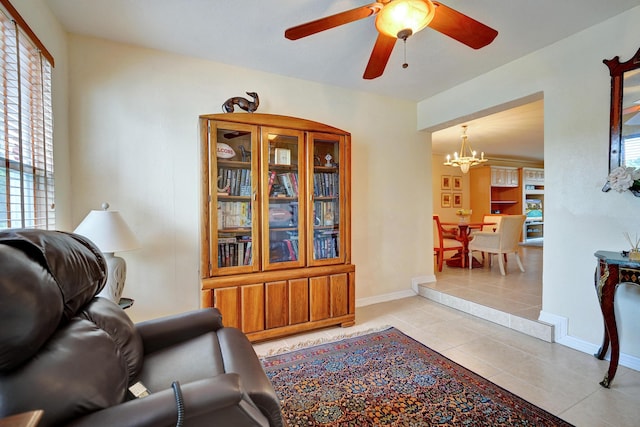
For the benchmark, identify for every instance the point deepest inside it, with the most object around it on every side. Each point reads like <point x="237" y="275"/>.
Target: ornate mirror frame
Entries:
<point x="621" y="92"/>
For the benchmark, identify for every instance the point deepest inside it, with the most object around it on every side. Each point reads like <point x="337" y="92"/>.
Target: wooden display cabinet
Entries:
<point x="276" y="223"/>
<point x="495" y="190"/>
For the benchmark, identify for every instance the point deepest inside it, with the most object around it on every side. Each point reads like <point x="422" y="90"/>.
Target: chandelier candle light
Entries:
<point x="467" y="156"/>
<point x="110" y="233"/>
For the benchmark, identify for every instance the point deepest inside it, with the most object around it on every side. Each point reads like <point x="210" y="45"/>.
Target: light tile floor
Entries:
<point x="516" y="293"/>
<point x="560" y="380"/>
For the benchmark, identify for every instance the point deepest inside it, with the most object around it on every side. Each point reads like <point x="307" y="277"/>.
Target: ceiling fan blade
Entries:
<point x="322" y="24"/>
<point x="461" y="27"/>
<point x="379" y="56"/>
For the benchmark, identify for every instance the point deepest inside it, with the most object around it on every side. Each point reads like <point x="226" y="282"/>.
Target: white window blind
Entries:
<point x="26" y="127"/>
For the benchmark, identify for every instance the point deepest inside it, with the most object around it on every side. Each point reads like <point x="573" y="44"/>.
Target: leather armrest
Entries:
<point x="239" y="356"/>
<point x="166" y="331"/>
<point x="201" y="398"/>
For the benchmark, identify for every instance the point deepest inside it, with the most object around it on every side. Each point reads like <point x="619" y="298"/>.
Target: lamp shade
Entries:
<point x="108" y="231"/>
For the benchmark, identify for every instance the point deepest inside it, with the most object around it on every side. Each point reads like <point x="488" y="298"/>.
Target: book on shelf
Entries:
<point x="287" y="180"/>
<point x="234" y="251"/>
<point x="326" y="184"/>
<point x="272" y="178"/>
<point x="234" y="215"/>
<point x="284" y="249"/>
<point x="326" y="244"/>
<point x="238" y="181"/>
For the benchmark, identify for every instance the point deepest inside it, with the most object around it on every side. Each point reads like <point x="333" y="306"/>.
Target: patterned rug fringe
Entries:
<point x="323" y="340"/>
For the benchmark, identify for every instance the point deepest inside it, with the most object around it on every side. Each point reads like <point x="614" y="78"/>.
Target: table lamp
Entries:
<point x="110" y="234"/>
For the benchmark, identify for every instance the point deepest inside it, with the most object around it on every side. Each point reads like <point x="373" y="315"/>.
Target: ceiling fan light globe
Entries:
<point x="400" y="15"/>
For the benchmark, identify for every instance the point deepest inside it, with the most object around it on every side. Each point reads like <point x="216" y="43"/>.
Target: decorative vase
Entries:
<point x="634" y="255"/>
<point x="463" y="219"/>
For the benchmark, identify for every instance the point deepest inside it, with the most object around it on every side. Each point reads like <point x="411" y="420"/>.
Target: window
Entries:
<point x="26" y="126"/>
<point x="631" y="151"/>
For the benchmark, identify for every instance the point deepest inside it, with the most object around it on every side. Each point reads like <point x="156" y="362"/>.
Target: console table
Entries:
<point x="613" y="269"/>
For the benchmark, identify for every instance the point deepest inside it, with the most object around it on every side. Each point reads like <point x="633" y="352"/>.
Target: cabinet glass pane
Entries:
<point x="234" y="198"/>
<point x="326" y="199"/>
<point x="284" y="189"/>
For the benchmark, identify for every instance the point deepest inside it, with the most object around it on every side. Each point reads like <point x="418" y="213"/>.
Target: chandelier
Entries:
<point x="467" y="156"/>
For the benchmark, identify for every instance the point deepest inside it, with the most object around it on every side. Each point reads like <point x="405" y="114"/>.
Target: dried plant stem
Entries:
<point x="631" y="242"/>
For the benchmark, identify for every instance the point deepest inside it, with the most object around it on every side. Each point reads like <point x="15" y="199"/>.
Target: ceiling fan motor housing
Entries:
<point x="398" y="16"/>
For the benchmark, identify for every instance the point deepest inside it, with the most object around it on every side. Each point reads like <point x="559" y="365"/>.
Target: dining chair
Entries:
<point x="494" y="220"/>
<point x="489" y="218"/>
<point x="443" y="243"/>
<point x="501" y="242"/>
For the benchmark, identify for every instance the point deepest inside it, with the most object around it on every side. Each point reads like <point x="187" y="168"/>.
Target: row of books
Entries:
<point x="233" y="252"/>
<point x="236" y="182"/>
<point x="234" y="215"/>
<point x="283" y="184"/>
<point x="283" y="250"/>
<point x="326" y="245"/>
<point x="326" y="184"/>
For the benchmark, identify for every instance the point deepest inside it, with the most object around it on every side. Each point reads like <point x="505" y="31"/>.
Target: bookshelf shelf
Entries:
<point x="275" y="241"/>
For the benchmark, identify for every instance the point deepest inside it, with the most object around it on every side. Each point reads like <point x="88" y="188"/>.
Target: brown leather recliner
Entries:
<point x="74" y="355"/>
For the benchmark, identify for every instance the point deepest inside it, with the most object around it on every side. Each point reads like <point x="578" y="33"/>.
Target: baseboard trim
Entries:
<point x="562" y="337"/>
<point x="559" y="324"/>
<point x="361" y="302"/>
<point x="417" y="281"/>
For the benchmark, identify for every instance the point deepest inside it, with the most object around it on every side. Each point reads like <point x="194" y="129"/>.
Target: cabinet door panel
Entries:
<point x="319" y="298"/>
<point x="327" y="216"/>
<point x="283" y="191"/>
<point x="298" y="301"/>
<point x="227" y="300"/>
<point x="233" y="188"/>
<point x="252" y="310"/>
<point x="339" y="291"/>
<point x="277" y="304"/>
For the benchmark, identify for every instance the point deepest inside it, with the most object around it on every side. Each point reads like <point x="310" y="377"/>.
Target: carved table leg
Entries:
<point x="602" y="352"/>
<point x="606" y="285"/>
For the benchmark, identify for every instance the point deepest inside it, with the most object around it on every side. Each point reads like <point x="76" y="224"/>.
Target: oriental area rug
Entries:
<point x="386" y="378"/>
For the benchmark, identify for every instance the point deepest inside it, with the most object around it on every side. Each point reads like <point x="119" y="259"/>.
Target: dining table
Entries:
<point x="464" y="229"/>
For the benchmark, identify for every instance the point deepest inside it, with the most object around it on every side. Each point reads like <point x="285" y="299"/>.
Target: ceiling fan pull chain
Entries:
<point x="405" y="65"/>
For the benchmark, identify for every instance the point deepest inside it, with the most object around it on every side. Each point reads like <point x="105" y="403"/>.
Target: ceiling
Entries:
<point x="250" y="33"/>
<point x="515" y="133"/>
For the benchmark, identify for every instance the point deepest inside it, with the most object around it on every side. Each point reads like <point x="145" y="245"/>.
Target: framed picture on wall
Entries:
<point x="457" y="183"/>
<point x="445" y="201"/>
<point x="445" y="182"/>
<point x="457" y="200"/>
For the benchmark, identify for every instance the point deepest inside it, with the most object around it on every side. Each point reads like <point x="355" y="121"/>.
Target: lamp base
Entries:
<point x="116" y="275"/>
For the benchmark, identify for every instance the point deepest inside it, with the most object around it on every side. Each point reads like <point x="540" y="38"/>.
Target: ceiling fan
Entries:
<point x="399" y="19"/>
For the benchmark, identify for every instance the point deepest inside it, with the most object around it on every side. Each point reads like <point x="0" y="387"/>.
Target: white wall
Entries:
<point x="579" y="218"/>
<point x="134" y="143"/>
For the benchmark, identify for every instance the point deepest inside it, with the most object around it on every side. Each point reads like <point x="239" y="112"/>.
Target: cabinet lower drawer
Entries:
<point x="275" y="304"/>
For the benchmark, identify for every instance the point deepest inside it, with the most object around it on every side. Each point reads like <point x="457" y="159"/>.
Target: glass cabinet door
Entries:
<point x="327" y="187"/>
<point x="283" y="190"/>
<point x="234" y="185"/>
